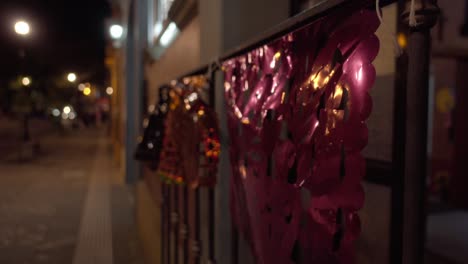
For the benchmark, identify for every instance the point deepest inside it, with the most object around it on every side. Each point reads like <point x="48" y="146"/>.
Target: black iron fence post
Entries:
<point x="424" y="13"/>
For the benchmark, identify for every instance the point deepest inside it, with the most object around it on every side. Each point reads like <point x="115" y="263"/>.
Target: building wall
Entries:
<point x="380" y="122"/>
<point x="373" y="244"/>
<point x="245" y="19"/>
<point x="453" y="15"/>
<point x="182" y="56"/>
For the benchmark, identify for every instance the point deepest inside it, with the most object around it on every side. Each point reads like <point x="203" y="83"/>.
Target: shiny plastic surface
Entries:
<point x="296" y="115"/>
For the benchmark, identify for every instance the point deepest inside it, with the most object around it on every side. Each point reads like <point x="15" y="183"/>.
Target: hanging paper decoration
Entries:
<point x="149" y="148"/>
<point x="296" y="115"/>
<point x="191" y="148"/>
<point x="170" y="167"/>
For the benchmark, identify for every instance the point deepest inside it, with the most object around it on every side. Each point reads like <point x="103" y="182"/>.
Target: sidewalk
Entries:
<point x="48" y="205"/>
<point x="11" y="135"/>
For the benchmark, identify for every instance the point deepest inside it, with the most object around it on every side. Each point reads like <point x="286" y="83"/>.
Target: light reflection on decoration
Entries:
<point x="227" y="86"/>
<point x="145" y="122"/>
<point x="192" y="97"/>
<point x="359" y="74"/>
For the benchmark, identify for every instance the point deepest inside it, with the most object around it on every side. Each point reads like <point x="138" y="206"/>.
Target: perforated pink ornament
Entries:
<point x="296" y="115"/>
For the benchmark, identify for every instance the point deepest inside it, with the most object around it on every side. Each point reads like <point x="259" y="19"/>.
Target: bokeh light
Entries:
<point x="71" y="77"/>
<point x="67" y="109"/>
<point x="402" y="40"/>
<point x="26" y="81"/>
<point x="110" y="90"/>
<point x="81" y="87"/>
<point x="87" y="91"/>
<point x="22" y="28"/>
<point x="56" y="112"/>
<point x="116" y="31"/>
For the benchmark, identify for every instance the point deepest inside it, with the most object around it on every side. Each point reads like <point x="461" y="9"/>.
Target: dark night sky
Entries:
<point x="66" y="35"/>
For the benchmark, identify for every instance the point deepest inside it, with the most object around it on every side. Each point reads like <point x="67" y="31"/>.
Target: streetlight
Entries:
<point x="22" y="28"/>
<point x="110" y="90"/>
<point x="116" y="31"/>
<point x="67" y="109"/>
<point x="81" y="87"/>
<point x="26" y="81"/>
<point x="87" y="91"/>
<point x="71" y="77"/>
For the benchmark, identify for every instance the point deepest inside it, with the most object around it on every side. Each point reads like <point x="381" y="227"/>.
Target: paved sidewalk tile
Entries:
<point x="95" y="239"/>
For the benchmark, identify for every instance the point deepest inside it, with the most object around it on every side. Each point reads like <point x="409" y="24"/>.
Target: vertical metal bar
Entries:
<point x="459" y="180"/>
<point x="192" y="225"/>
<point x="417" y="94"/>
<point x="168" y="221"/>
<point x="211" y="190"/>
<point x="163" y="223"/>
<point x="175" y="221"/>
<point x="197" y="227"/>
<point x="398" y="151"/>
<point x="211" y="227"/>
<point x="415" y="149"/>
<point x="185" y="223"/>
<point x="234" y="245"/>
<point x="397" y="195"/>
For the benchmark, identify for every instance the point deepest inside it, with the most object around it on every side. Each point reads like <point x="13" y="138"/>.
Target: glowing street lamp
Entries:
<point x="26" y="81"/>
<point x="116" y="31"/>
<point x="67" y="109"/>
<point x="87" y="91"/>
<point x="22" y="28"/>
<point x="55" y="112"/>
<point x="71" y="77"/>
<point x="81" y="87"/>
<point x="110" y="90"/>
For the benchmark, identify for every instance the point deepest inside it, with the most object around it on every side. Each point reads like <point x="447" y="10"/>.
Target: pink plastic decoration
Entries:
<point x="296" y="115"/>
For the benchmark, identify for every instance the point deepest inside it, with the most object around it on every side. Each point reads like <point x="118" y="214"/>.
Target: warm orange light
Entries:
<point x="87" y="91"/>
<point x="402" y="40"/>
<point x="277" y="55"/>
